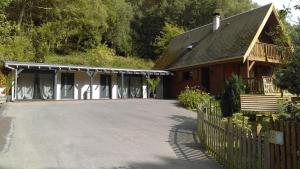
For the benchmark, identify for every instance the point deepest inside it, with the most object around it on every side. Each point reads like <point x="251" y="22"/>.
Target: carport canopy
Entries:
<point x="45" y="66"/>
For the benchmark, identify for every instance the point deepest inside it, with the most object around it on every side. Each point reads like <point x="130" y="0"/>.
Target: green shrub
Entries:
<point x="230" y="98"/>
<point x="190" y="98"/>
<point x="288" y="110"/>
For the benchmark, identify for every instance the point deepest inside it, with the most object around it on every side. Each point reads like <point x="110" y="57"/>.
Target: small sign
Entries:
<point x="276" y="137"/>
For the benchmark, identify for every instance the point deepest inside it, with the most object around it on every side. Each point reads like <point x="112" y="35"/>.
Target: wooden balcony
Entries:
<point x="269" y="53"/>
<point x="261" y="85"/>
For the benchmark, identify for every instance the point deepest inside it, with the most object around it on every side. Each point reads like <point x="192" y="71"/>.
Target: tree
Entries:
<point x="72" y="24"/>
<point x="289" y="76"/>
<point x="169" y="31"/>
<point x="230" y="97"/>
<point x="118" y="36"/>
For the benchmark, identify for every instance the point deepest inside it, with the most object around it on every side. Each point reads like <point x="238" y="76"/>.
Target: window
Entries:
<point x="187" y="75"/>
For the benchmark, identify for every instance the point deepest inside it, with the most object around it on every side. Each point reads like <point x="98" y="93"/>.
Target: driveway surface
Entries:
<point x="104" y="134"/>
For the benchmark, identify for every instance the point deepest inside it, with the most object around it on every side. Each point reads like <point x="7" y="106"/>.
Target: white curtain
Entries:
<point x="125" y="87"/>
<point x="25" y="86"/>
<point x="46" y="86"/>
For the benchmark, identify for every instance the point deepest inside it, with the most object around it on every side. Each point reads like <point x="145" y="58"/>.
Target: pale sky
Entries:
<point x="279" y="5"/>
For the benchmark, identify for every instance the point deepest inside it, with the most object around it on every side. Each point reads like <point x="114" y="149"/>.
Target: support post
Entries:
<point x="248" y="69"/>
<point x="122" y="85"/>
<point x="91" y="87"/>
<point x="148" y="93"/>
<point x="18" y="71"/>
<point x="16" y="85"/>
<point x="91" y="74"/>
<point x="55" y="85"/>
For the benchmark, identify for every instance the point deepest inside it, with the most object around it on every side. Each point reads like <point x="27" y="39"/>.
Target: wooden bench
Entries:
<point x="260" y="103"/>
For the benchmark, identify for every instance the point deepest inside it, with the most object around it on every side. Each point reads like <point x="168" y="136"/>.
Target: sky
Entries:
<point x="293" y="19"/>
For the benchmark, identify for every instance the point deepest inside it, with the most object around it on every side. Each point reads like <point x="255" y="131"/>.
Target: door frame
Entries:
<point x="205" y="78"/>
<point x="62" y="86"/>
<point x="110" y="86"/>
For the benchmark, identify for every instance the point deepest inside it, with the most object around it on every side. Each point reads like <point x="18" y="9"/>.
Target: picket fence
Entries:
<point x="237" y="148"/>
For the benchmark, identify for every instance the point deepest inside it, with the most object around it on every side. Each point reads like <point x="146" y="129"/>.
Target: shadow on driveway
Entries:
<point x="182" y="139"/>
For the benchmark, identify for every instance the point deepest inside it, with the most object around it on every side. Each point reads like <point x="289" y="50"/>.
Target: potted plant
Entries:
<point x="2" y="88"/>
<point x="153" y="83"/>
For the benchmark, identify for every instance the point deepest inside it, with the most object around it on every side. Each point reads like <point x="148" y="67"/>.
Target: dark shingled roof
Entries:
<point x="231" y="40"/>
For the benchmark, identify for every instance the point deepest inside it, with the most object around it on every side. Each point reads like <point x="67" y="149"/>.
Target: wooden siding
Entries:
<point x="218" y="74"/>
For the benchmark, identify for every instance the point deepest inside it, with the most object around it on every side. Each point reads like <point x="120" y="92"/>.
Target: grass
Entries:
<point x="102" y="56"/>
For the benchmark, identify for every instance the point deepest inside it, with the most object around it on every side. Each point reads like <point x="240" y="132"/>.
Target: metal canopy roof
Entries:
<point x="46" y="66"/>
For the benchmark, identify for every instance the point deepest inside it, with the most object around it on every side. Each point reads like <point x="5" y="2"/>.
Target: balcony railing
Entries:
<point x="269" y="52"/>
<point x="261" y="85"/>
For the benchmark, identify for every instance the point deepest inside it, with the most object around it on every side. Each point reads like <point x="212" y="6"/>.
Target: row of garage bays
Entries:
<point x="34" y="81"/>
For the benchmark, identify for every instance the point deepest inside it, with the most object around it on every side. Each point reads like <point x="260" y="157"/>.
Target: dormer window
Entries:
<point x="190" y="47"/>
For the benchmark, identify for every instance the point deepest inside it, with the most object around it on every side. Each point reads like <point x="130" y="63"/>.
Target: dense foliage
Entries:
<point x="230" y="97"/>
<point x="288" y="76"/>
<point x="192" y="97"/>
<point x="288" y="110"/>
<point x="35" y="30"/>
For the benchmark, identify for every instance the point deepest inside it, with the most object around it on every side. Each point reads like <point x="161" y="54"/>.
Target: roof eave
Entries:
<point x="42" y="66"/>
<point x="219" y="61"/>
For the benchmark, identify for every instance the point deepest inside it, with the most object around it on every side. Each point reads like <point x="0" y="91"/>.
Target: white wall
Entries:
<point x="145" y="93"/>
<point x="114" y="86"/>
<point x="96" y="86"/>
<point x="58" y="85"/>
<point x="13" y="97"/>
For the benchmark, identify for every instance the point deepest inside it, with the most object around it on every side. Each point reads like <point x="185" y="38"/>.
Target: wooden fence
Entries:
<point x="286" y="156"/>
<point x="238" y="148"/>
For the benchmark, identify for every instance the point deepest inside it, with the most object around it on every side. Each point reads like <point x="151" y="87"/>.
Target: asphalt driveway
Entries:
<point x="104" y="134"/>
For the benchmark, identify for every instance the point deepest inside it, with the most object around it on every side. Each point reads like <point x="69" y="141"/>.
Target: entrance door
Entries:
<point x="105" y="86"/>
<point x="205" y="78"/>
<point x="67" y="86"/>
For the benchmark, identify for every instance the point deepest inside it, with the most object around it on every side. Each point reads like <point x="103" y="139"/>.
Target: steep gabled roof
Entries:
<point x="233" y="40"/>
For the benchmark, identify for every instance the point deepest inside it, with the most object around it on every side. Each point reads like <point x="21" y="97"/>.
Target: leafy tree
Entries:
<point x="14" y="45"/>
<point x="75" y="24"/>
<point x="169" y="31"/>
<point x="289" y="76"/>
<point x="230" y="98"/>
<point x="118" y="36"/>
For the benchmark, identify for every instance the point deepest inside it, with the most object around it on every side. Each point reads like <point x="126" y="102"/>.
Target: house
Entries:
<point x="241" y="44"/>
<point x="35" y="81"/>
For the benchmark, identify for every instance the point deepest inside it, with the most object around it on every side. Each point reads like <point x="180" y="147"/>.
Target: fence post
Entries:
<point x="267" y="151"/>
<point x="229" y="143"/>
